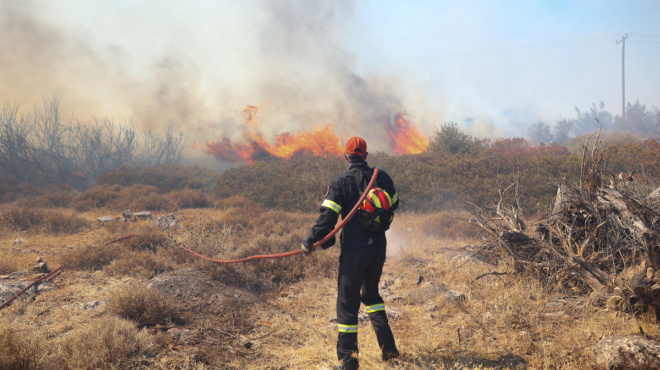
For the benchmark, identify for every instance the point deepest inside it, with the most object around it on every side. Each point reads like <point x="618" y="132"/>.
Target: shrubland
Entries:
<point x="143" y="302"/>
<point x="444" y="178"/>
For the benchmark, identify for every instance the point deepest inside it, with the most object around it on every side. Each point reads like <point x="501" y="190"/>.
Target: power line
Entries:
<point x="647" y="35"/>
<point x="498" y="51"/>
<point x="646" y="41"/>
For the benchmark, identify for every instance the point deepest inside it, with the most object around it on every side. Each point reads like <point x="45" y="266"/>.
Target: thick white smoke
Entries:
<point x="292" y="58"/>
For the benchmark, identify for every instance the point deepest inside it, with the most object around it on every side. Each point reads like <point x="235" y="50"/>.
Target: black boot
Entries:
<point x="389" y="354"/>
<point x="347" y="348"/>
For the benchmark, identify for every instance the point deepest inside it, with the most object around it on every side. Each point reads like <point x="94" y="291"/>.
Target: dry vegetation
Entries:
<point x="145" y="303"/>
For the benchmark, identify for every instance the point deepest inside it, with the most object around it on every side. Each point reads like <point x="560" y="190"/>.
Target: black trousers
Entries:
<point x="360" y="269"/>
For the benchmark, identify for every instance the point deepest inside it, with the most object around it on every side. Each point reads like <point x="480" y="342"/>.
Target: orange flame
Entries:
<point x="322" y="142"/>
<point x="406" y="138"/>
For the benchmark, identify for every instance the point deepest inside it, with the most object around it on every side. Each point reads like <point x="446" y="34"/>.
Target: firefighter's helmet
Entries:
<point x="356" y="145"/>
<point x="376" y="200"/>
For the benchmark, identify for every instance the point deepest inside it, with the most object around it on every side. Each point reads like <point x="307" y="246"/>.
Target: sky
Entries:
<point x="493" y="67"/>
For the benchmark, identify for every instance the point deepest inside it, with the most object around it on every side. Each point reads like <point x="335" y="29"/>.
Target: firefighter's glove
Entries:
<point x="329" y="243"/>
<point x="307" y="250"/>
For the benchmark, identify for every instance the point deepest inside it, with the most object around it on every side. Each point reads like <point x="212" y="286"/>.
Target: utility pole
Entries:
<point x="623" y="74"/>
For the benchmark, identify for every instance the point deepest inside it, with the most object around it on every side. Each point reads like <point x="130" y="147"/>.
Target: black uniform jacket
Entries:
<point x="343" y="194"/>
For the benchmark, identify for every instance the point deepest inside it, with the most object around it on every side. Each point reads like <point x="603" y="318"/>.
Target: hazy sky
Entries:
<point x="495" y="67"/>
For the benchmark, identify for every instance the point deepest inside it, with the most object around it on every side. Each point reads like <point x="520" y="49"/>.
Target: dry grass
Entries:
<point x="115" y="197"/>
<point x="447" y="224"/>
<point x="53" y="330"/>
<point x="137" y="264"/>
<point x="108" y="342"/>
<point x="149" y="239"/>
<point x="20" y="351"/>
<point x="90" y="257"/>
<point x="505" y="321"/>
<point x="47" y="221"/>
<point x="280" y="313"/>
<point x="143" y="305"/>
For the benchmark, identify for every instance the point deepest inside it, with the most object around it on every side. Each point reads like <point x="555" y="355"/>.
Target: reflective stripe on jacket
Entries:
<point x="343" y="194"/>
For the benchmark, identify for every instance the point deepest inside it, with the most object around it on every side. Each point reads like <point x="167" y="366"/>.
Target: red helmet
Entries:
<point x="376" y="198"/>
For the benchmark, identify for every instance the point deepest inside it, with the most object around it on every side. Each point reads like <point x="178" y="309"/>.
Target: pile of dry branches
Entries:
<point x="602" y="237"/>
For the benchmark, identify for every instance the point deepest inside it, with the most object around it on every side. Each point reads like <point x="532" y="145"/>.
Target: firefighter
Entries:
<point x="362" y="255"/>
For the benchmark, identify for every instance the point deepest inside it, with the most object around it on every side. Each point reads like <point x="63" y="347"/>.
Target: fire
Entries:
<point x="322" y="142"/>
<point x="406" y="138"/>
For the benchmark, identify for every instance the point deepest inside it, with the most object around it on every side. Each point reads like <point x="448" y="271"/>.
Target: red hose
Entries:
<point x="122" y="238"/>
<point x="286" y="254"/>
<point x="315" y="245"/>
<point x="28" y="287"/>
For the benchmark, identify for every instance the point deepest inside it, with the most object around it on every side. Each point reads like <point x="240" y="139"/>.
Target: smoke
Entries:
<point x="291" y="58"/>
<point x="311" y="78"/>
<point x="395" y="241"/>
<point x="41" y="58"/>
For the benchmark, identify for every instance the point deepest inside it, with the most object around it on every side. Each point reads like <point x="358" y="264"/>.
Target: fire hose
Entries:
<point x="286" y="254"/>
<point x="29" y="286"/>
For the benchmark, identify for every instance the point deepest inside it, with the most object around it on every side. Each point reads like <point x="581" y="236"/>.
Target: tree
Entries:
<point x="539" y="132"/>
<point x="639" y="120"/>
<point x="450" y="138"/>
<point x="45" y="147"/>
<point x="586" y="121"/>
<point x="563" y="130"/>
